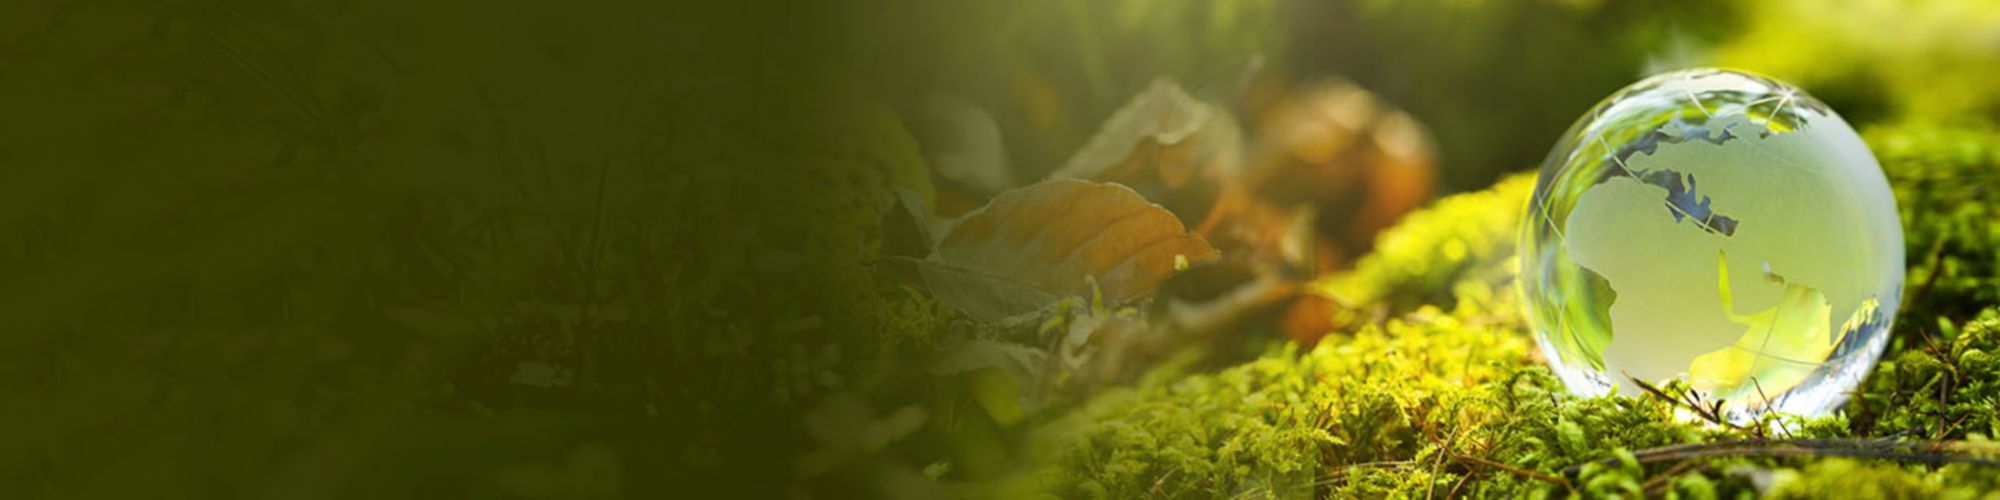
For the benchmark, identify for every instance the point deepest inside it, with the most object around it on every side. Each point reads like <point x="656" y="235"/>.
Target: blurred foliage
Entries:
<point x="448" y="249"/>
<point x="1498" y="81"/>
<point x="1930" y="61"/>
<point x="1947" y="185"/>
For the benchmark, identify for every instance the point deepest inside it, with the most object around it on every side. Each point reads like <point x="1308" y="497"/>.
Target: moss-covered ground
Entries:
<point x="1446" y="396"/>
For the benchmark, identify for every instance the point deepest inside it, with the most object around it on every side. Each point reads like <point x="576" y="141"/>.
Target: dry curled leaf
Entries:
<point x="1359" y="161"/>
<point x="1058" y="235"/>
<point x="1166" y="145"/>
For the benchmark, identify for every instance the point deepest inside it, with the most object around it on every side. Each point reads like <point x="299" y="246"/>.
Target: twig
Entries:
<point x="1430" y="487"/>
<point x="1690" y="400"/>
<point x="1154" y="492"/>
<point x="1342" y="472"/>
<point x="1944" y="401"/>
<point x="1653" y="486"/>
<point x="1456" y="486"/>
<point x="1539" y="476"/>
<point x="1766" y="398"/>
<point x="1932" y="453"/>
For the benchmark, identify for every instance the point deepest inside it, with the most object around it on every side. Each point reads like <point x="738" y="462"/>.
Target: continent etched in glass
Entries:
<point x="1719" y="228"/>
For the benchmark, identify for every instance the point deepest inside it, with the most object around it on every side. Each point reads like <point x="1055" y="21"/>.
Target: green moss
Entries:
<point x="1947" y="185"/>
<point x="1938" y="390"/>
<point x="1841" y="478"/>
<point x="1391" y="410"/>
<point x="1459" y="250"/>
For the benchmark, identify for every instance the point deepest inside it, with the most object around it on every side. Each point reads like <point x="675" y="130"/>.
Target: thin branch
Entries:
<point x="1539" y="476"/>
<point x="1654" y="486"/>
<point x="1933" y="453"/>
<point x="1690" y="400"/>
<point x="1342" y="472"/>
<point x="1154" y="492"/>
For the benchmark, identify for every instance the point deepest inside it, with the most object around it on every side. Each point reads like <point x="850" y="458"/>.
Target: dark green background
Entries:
<point x="302" y="249"/>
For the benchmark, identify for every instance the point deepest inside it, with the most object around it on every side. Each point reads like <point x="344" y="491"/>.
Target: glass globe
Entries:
<point x="1719" y="228"/>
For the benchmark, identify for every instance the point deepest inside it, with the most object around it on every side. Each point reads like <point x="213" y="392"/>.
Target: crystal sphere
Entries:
<point x="1719" y="228"/>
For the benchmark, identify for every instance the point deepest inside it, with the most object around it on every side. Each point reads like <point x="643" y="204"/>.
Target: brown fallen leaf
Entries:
<point x="1168" y="146"/>
<point x="1277" y="241"/>
<point x="1058" y="235"/>
<point x="1359" y="161"/>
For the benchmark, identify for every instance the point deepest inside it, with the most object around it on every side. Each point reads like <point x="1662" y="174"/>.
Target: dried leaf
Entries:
<point x="1360" y="162"/>
<point x="1166" y="145"/>
<point x="1280" y="241"/>
<point x="1059" y="235"/>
